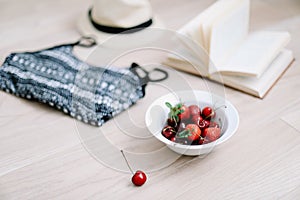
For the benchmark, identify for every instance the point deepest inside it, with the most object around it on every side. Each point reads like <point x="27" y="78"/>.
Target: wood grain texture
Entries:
<point x="42" y="155"/>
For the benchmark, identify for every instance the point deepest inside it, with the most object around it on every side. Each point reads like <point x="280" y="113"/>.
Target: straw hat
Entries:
<point x="107" y="18"/>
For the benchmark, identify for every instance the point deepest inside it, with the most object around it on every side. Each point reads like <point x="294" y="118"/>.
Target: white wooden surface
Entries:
<point x="41" y="155"/>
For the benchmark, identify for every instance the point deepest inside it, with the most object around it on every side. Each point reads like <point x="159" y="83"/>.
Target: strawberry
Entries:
<point x="194" y="110"/>
<point x="192" y="133"/>
<point x="173" y="115"/>
<point x="177" y="113"/>
<point x="212" y="133"/>
<point x="185" y="114"/>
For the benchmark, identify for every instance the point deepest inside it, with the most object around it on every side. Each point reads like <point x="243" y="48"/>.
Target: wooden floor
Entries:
<point x="42" y="155"/>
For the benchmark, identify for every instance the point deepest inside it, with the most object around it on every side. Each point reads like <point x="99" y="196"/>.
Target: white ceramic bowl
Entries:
<point x="157" y="114"/>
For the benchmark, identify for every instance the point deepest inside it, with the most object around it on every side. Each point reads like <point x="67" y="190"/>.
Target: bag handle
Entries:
<point x="146" y="78"/>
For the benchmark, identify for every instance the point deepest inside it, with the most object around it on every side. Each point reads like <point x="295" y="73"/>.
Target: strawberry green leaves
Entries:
<point x="175" y="111"/>
<point x="184" y="134"/>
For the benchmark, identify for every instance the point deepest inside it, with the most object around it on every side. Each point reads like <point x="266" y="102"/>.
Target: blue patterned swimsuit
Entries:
<point x="56" y="77"/>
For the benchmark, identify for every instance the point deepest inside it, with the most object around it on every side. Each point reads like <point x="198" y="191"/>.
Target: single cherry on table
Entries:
<point x="139" y="177"/>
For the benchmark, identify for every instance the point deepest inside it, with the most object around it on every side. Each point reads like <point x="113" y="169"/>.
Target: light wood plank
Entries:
<point x="41" y="155"/>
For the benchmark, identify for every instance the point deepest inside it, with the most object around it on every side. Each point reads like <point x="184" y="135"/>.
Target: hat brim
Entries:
<point x="86" y="28"/>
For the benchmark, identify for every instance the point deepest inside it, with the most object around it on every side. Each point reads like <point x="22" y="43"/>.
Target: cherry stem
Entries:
<point x="126" y="161"/>
<point x="220" y="107"/>
<point x="174" y="118"/>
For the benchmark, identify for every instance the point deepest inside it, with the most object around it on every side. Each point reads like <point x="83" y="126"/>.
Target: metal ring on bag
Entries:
<point x="86" y="41"/>
<point x="146" y="78"/>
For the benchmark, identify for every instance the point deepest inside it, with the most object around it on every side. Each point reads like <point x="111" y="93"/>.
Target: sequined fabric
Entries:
<point x="56" y="77"/>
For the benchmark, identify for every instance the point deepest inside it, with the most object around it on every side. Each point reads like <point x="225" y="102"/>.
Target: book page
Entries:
<point x="260" y="86"/>
<point x="215" y="13"/>
<point x="199" y="29"/>
<point x="255" y="54"/>
<point x="194" y="28"/>
<point x="187" y="62"/>
<point x="228" y="32"/>
<point x="252" y="85"/>
<point x="193" y="48"/>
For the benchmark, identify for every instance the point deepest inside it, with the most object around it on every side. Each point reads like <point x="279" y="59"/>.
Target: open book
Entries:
<point x="250" y="62"/>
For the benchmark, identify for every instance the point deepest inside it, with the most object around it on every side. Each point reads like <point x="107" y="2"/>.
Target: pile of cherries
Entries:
<point x="190" y="125"/>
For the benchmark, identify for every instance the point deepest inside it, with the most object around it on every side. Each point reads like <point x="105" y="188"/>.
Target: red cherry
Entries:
<point x="203" y="124"/>
<point x="208" y="113"/>
<point x="139" y="178"/>
<point x="168" y="132"/>
<point x="173" y="139"/>
<point x="201" y="141"/>
<point x="171" y="122"/>
<point x="194" y="110"/>
<point x="185" y="115"/>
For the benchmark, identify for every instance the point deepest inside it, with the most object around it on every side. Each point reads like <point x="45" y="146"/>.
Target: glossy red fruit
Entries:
<point x="196" y="119"/>
<point x="168" y="132"/>
<point x="139" y="178"/>
<point x="203" y="124"/>
<point x="194" y="110"/>
<point x="173" y="123"/>
<point x="201" y="140"/>
<point x="194" y="132"/>
<point x="212" y="133"/>
<point x="185" y="115"/>
<point x="208" y="113"/>
<point x="173" y="139"/>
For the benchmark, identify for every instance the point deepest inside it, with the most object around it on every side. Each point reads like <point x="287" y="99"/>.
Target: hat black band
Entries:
<point x="115" y="30"/>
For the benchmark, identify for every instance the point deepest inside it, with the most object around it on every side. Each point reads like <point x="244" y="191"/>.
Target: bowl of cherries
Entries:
<point x="192" y="122"/>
